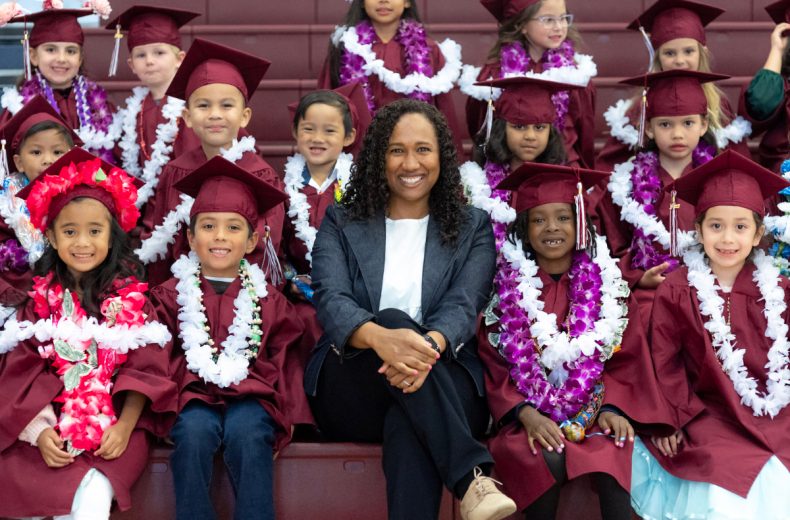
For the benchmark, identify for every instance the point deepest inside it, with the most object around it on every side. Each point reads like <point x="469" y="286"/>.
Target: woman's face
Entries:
<point x="412" y="161"/>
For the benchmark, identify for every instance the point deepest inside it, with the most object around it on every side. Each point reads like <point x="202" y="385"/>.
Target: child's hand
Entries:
<point x="653" y="276"/>
<point x="778" y="38"/>
<point x="613" y="424"/>
<point x="114" y="441"/>
<point x="542" y="429"/>
<point x="669" y="446"/>
<point x="51" y="447"/>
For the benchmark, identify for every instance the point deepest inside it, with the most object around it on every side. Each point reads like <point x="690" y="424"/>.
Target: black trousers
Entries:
<point x="428" y="437"/>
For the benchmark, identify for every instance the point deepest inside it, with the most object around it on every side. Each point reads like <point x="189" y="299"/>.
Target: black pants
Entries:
<point x="428" y="436"/>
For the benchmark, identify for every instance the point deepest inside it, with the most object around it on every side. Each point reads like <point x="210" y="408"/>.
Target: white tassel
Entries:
<point x="489" y="121"/>
<point x="26" y="56"/>
<point x="116" y="51"/>
<point x="650" y="50"/>
<point x="4" y="170"/>
<point x="581" y="219"/>
<point x="673" y="225"/>
<point x="642" y="119"/>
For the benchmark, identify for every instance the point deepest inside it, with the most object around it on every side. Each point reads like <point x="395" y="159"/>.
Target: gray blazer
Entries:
<point x="348" y="268"/>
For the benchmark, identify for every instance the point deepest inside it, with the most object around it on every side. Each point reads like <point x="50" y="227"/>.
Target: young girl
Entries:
<point x="720" y="349"/>
<point x="764" y="101"/>
<point x="635" y="211"/>
<point x="33" y="139"/>
<point x="152" y="130"/>
<point x="561" y="368"/>
<point x="677" y="33"/>
<point x="54" y="70"/>
<point x="85" y="359"/>
<point x="411" y="64"/>
<point x="536" y="38"/>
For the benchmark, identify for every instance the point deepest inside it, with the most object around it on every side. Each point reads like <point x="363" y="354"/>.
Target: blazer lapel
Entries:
<point x="367" y="240"/>
<point x="437" y="262"/>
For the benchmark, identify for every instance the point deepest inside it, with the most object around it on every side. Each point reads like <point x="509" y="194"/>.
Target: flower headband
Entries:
<point x="49" y="194"/>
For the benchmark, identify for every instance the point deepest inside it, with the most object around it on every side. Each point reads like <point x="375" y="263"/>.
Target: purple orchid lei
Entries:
<point x="514" y="59"/>
<point x="518" y="347"/>
<point x="496" y="173"/>
<point x="13" y="256"/>
<point x="647" y="190"/>
<point x="416" y="57"/>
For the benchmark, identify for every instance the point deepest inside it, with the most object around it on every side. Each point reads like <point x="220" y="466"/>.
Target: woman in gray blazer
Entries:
<point x="401" y="268"/>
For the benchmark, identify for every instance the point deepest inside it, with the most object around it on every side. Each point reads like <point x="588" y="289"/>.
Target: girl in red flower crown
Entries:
<point x="82" y="370"/>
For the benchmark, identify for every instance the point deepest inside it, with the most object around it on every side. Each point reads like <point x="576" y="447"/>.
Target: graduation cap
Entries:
<point x="729" y="179"/>
<point x="221" y="186"/>
<point x="146" y="24"/>
<point x="505" y="9"/>
<point x="35" y="111"/>
<point x="667" y="20"/>
<point x="208" y="62"/>
<point x="536" y="184"/>
<point x="526" y="101"/>
<point x="779" y="11"/>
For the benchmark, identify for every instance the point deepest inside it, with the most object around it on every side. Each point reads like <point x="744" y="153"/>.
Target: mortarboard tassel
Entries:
<point x="26" y="56"/>
<point x="582" y="237"/>
<point x="116" y="51"/>
<point x="3" y="161"/>
<point x="642" y="119"/>
<point x="650" y="50"/>
<point x="271" y="264"/>
<point x="673" y="225"/>
<point x="489" y="121"/>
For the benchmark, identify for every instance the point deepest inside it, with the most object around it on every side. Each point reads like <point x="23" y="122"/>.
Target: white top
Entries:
<point x="327" y="183"/>
<point x="401" y="287"/>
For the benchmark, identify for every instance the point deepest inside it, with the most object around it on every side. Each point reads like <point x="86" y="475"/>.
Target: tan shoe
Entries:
<point x="483" y="501"/>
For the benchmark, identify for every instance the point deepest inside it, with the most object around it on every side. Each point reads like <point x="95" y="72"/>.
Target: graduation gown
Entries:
<point x="167" y="198"/>
<point x="579" y="130"/>
<point x="151" y="117"/>
<point x="265" y="381"/>
<point x="619" y="235"/>
<point x="629" y="386"/>
<point x="725" y="444"/>
<point x="28" y="383"/>
<point x="615" y="151"/>
<point x="14" y="285"/>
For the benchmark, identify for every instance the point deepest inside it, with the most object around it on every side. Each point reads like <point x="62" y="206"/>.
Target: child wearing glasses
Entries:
<point x="537" y="38"/>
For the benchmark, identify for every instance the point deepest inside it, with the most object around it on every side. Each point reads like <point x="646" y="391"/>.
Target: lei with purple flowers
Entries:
<point x="515" y="60"/>
<point x="646" y="192"/>
<point x="416" y="57"/>
<point x="13" y="257"/>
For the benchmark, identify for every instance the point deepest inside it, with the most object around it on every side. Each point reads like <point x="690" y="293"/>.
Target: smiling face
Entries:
<point x="540" y="37"/>
<point x="320" y="135"/>
<point x="676" y="137"/>
<point x="526" y="142"/>
<point x="385" y="12"/>
<point x="221" y="239"/>
<point x="155" y="64"/>
<point x="81" y="235"/>
<point x="58" y="62"/>
<point x="728" y="234"/>
<point x="412" y="165"/>
<point x="216" y="112"/>
<point x="39" y="151"/>
<point x="680" y="53"/>
<point x="551" y="232"/>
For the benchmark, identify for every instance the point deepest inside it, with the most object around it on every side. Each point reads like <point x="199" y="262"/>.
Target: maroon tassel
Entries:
<point x="271" y="264"/>
<point x="26" y="56"/>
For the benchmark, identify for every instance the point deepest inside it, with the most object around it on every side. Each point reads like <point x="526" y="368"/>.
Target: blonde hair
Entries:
<point x="716" y="119"/>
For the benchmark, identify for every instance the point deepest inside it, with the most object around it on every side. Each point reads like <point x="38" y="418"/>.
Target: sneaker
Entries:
<point x="483" y="501"/>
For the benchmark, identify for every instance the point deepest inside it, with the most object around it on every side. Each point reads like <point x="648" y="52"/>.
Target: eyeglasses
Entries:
<point x="555" y="21"/>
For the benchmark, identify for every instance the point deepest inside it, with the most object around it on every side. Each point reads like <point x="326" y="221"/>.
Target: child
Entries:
<point x="411" y="64"/>
<point x="764" y="101"/>
<point x="56" y="59"/>
<point x="635" y="212"/>
<point x="546" y="389"/>
<point x="217" y="83"/>
<point x="536" y="38"/>
<point x="34" y="138"/>
<point x="677" y="33"/>
<point x="234" y="332"/>
<point x="152" y="130"/>
<point x="85" y="358"/>
<point x="719" y="346"/>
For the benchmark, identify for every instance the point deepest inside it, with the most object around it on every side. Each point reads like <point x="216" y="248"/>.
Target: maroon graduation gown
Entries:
<point x="629" y="385"/>
<point x="14" y="285"/>
<point x="28" y="383"/>
<point x="167" y="198"/>
<point x="579" y="129"/>
<point x="725" y="444"/>
<point x="265" y="382"/>
<point x="152" y="117"/>
<point x="619" y="235"/>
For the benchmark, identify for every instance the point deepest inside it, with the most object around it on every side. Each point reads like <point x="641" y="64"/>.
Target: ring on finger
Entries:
<point x="406" y="384"/>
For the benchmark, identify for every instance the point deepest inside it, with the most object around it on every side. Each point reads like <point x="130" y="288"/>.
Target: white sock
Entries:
<point x="93" y="498"/>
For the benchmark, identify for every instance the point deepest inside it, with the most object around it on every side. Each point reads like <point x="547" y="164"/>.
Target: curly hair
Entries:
<point x="497" y="150"/>
<point x="367" y="194"/>
<point x="356" y="14"/>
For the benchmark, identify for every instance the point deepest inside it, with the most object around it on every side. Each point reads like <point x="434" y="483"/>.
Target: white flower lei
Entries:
<point x="479" y="193"/>
<point x="631" y="211"/>
<point x="766" y="276"/>
<point x="441" y="82"/>
<point x="232" y="364"/>
<point x="620" y="127"/>
<point x="161" y="150"/>
<point x="558" y="347"/>
<point x="155" y="247"/>
<point x="299" y="208"/>
<point x="12" y="100"/>
<point x="580" y="75"/>
<point x="28" y="236"/>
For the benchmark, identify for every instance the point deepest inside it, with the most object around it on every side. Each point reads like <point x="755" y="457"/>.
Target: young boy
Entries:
<point x="217" y="83"/>
<point x="152" y="130"/>
<point x="234" y="331"/>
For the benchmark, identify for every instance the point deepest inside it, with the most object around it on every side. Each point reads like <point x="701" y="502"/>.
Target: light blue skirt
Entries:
<point x="658" y="495"/>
